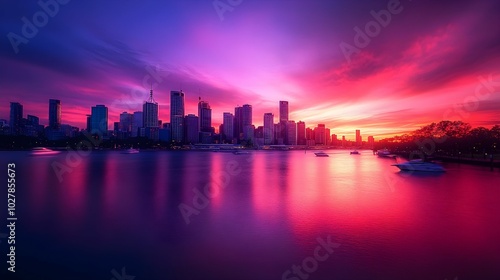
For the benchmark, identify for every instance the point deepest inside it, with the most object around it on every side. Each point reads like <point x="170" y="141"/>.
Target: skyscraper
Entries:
<point x="125" y="125"/>
<point x="283" y="111"/>
<point x="246" y="121"/>
<point x="291" y="128"/>
<point x="177" y="115"/>
<point x="284" y="121"/>
<point x="301" y="133"/>
<point x="228" y="125"/>
<point x="205" y="116"/>
<point x="319" y="133"/>
<point x="150" y="117"/>
<point x="99" y="120"/>
<point x="268" y="128"/>
<point x="16" y="118"/>
<point x="192" y="129"/>
<point x="358" y="137"/>
<point x="54" y="113"/>
<point x="137" y="123"/>
<point x="238" y="127"/>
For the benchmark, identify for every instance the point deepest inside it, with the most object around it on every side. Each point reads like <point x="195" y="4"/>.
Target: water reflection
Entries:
<point x="115" y="209"/>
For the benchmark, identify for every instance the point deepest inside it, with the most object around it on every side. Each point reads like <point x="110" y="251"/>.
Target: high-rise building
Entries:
<point x="291" y="129"/>
<point x="126" y="120"/>
<point x="246" y="121"/>
<point x="319" y="133"/>
<point x="137" y="123"/>
<point x="238" y="127"/>
<point x="54" y="113"/>
<point x="334" y="140"/>
<point x="371" y="141"/>
<point x="99" y="120"/>
<point x="89" y="123"/>
<point x="192" y="129"/>
<point x="284" y="121"/>
<point x="301" y="133"/>
<point x="150" y="117"/>
<point x="32" y="127"/>
<point x="358" y="137"/>
<point x="205" y="116"/>
<point x="16" y="118"/>
<point x="268" y="128"/>
<point x="177" y="115"/>
<point x="228" y="127"/>
<point x="283" y="111"/>
<point x="327" y="137"/>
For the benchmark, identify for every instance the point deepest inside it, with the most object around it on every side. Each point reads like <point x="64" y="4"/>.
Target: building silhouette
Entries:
<point x="301" y="133"/>
<point x="268" y="129"/>
<point x="246" y="121"/>
<point x="192" y="129"/>
<point x="16" y="118"/>
<point x="228" y="127"/>
<point x="320" y="134"/>
<point x="205" y="116"/>
<point x="283" y="121"/>
<point x="99" y="120"/>
<point x="54" y="113"/>
<point x="238" y="125"/>
<point x="291" y="133"/>
<point x="150" y="118"/>
<point x="177" y="116"/>
<point x="359" y="140"/>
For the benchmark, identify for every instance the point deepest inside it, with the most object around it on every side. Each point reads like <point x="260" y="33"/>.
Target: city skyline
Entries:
<point x="408" y="74"/>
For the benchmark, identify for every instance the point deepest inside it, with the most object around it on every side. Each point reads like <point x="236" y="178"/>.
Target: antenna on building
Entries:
<point x="151" y="99"/>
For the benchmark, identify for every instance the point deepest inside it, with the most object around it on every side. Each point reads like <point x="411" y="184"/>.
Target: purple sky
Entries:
<point x="432" y="60"/>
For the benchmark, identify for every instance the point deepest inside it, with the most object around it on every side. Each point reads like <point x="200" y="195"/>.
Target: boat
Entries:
<point x="40" y="151"/>
<point x="131" y="151"/>
<point x="419" y="165"/>
<point x="240" y="152"/>
<point x="354" y="152"/>
<point x="321" y="154"/>
<point x="385" y="153"/>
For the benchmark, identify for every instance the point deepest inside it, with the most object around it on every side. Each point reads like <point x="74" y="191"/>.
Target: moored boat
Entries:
<point x="41" y="151"/>
<point x="419" y="165"/>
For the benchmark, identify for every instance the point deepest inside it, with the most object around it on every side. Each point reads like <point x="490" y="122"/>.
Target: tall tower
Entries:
<point x="246" y="121"/>
<point x="301" y="133"/>
<point x="238" y="127"/>
<point x="358" y="137"/>
<point x="16" y="117"/>
<point x="54" y="113"/>
<point x="205" y="116"/>
<point x="283" y="121"/>
<point x="283" y="111"/>
<point x="177" y="115"/>
<point x="150" y="111"/>
<point x="99" y="120"/>
<point x="150" y="117"/>
<point x="228" y="124"/>
<point x="268" y="128"/>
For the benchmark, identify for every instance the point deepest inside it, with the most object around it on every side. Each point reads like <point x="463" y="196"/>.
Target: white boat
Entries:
<point x="419" y="165"/>
<point x="131" y="151"/>
<point x="321" y="154"/>
<point x="40" y="151"/>
<point x="354" y="152"/>
<point x="385" y="153"/>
